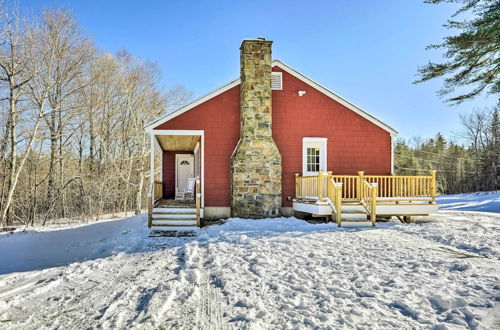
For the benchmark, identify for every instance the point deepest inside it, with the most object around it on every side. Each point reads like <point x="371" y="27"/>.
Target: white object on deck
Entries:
<point x="186" y="193"/>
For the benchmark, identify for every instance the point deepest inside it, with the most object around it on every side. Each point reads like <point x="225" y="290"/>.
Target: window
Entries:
<point x="313" y="159"/>
<point x="276" y="80"/>
<point x="313" y="155"/>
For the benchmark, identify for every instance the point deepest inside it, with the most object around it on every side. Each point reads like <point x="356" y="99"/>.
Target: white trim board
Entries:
<point x="392" y="154"/>
<point x="177" y="132"/>
<point x="315" y="142"/>
<point x="149" y="127"/>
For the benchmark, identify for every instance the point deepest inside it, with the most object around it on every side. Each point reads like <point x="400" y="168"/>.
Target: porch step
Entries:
<point x="175" y="210"/>
<point x="174" y="216"/>
<point x="354" y="221"/>
<point x="173" y="222"/>
<point x="353" y="212"/>
<point x="173" y="228"/>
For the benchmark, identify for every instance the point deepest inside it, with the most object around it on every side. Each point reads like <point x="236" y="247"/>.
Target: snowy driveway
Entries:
<point x="272" y="274"/>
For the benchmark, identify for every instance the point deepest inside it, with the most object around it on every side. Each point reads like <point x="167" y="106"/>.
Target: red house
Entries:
<point x="246" y="141"/>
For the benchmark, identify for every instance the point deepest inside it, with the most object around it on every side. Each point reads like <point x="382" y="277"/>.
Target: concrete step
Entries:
<point x="173" y="222"/>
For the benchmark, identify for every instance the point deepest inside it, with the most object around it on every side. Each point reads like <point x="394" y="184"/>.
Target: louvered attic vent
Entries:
<point x="276" y="81"/>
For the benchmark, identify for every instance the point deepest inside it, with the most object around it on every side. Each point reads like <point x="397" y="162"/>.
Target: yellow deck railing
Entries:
<point x="368" y="199"/>
<point x="334" y="190"/>
<point x="389" y="187"/>
<point x="307" y="186"/>
<point x="405" y="187"/>
<point x="349" y="186"/>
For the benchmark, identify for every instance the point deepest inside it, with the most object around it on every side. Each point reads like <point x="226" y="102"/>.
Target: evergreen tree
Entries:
<point x="473" y="55"/>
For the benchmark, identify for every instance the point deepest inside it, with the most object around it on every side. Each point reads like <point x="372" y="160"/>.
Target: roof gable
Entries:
<point x="151" y="125"/>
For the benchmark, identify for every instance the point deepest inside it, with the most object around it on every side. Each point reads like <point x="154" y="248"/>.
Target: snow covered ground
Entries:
<point x="272" y="274"/>
<point x="483" y="201"/>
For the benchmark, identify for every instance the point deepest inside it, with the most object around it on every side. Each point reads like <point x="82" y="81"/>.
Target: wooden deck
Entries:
<point x="367" y="196"/>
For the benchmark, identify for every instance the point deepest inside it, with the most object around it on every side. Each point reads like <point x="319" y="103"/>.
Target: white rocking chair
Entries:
<point x="186" y="193"/>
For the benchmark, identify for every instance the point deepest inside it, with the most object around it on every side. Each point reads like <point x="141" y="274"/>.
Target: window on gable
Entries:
<point x="276" y="81"/>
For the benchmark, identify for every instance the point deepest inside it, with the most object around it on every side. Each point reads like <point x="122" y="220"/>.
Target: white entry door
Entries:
<point x="184" y="169"/>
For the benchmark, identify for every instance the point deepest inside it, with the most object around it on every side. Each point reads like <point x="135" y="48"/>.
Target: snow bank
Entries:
<point x="34" y="249"/>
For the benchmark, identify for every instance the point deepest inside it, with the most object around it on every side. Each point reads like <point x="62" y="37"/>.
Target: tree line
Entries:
<point x="473" y="165"/>
<point x="72" y="142"/>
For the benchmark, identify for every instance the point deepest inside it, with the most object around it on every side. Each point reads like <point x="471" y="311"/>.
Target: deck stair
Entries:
<point x="174" y="218"/>
<point x="354" y="213"/>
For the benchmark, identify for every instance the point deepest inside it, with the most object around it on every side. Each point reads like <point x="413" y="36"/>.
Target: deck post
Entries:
<point x="338" y="203"/>
<point x="328" y="177"/>
<point x="393" y="189"/>
<point x="360" y="182"/>
<point x="320" y="186"/>
<point x="297" y="185"/>
<point x="373" y="201"/>
<point x="433" y="186"/>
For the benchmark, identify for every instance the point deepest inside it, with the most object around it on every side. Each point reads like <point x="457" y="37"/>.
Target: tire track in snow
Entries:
<point x="27" y="286"/>
<point x="116" y="292"/>
<point x="211" y="308"/>
<point x="194" y="294"/>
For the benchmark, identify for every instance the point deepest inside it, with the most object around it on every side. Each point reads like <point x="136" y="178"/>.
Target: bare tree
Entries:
<point x="73" y="144"/>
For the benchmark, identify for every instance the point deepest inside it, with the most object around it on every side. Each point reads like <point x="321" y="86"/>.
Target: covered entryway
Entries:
<point x="177" y="178"/>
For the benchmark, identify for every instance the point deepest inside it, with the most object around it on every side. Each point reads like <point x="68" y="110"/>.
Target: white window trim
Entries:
<point x="322" y="143"/>
<point x="280" y="75"/>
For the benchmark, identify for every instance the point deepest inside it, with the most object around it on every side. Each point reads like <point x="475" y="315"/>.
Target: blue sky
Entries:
<point x="366" y="51"/>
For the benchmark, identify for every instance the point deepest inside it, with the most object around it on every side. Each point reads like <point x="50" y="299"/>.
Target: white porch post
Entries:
<point x="152" y="163"/>
<point x="203" y="170"/>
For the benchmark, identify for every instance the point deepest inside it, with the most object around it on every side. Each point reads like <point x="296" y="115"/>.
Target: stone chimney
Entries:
<point x="256" y="161"/>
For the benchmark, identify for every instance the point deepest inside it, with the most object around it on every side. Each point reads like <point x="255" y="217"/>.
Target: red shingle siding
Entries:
<point x="354" y="143"/>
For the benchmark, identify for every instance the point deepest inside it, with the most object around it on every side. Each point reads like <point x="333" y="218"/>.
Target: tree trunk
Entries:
<point x="138" y="197"/>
